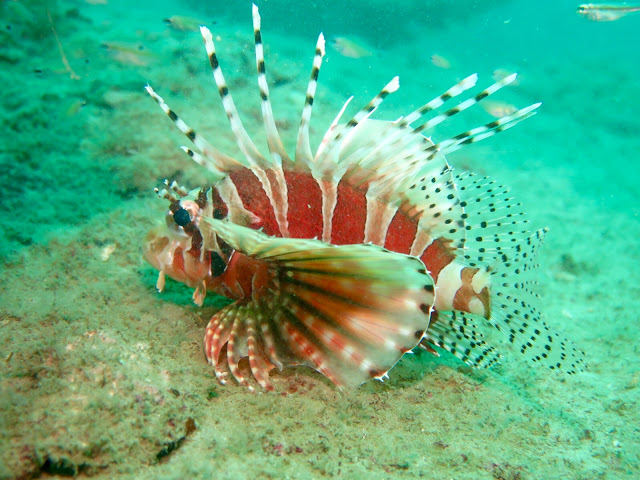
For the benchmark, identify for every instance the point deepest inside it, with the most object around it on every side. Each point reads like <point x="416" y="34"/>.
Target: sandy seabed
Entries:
<point x="102" y="376"/>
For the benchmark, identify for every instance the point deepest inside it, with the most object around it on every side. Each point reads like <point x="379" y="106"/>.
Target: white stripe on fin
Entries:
<point x="396" y="130"/>
<point x="278" y="198"/>
<point x="205" y="162"/>
<point x="303" y="146"/>
<point x="258" y="164"/>
<point x="437" y="102"/>
<point x="331" y="131"/>
<point x="480" y="133"/>
<point x="347" y="131"/>
<point x="242" y="137"/>
<point x="274" y="141"/>
<point x="218" y="161"/>
<point x="466" y="103"/>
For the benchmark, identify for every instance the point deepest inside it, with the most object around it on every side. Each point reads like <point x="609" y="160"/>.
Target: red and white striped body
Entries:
<point x="353" y="220"/>
<point x="346" y="259"/>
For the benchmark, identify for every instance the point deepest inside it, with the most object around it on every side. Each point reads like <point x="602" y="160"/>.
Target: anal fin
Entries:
<point x="457" y="333"/>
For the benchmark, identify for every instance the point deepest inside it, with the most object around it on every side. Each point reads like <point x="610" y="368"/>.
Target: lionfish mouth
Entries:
<point x="170" y="256"/>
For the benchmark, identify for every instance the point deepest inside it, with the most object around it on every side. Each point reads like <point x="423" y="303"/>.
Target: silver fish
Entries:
<point x="602" y="12"/>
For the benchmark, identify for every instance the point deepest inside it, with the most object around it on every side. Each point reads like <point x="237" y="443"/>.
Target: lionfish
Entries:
<point x="349" y="258"/>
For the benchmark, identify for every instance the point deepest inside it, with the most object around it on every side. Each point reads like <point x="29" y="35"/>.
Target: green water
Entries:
<point x="102" y="376"/>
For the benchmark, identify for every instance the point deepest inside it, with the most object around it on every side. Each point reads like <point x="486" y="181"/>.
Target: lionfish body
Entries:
<point x="346" y="259"/>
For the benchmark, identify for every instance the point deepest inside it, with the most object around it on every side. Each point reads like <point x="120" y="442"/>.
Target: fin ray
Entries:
<point x="213" y="160"/>
<point x="460" y="333"/>
<point x="243" y="140"/>
<point x="274" y="141"/>
<point x="303" y="145"/>
<point x="348" y="311"/>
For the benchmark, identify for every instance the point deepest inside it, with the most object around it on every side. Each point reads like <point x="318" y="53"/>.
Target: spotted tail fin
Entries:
<point x="495" y="237"/>
<point x="509" y="255"/>
<point x="514" y="312"/>
<point x="348" y="311"/>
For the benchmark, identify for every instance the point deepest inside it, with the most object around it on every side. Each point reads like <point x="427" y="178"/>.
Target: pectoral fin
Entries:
<point x="348" y="311"/>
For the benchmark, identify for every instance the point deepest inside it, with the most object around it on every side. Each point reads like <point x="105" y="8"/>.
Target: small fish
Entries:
<point x="346" y="259"/>
<point x="600" y="12"/>
<point x="184" y="24"/>
<point x="502" y="73"/>
<point x="129" y="54"/>
<point x="352" y="47"/>
<point x="498" y="109"/>
<point x="440" y="61"/>
<point x="74" y="106"/>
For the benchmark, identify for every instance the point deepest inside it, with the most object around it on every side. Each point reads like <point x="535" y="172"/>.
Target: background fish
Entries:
<point x="345" y="259"/>
<point x="601" y="12"/>
<point x="352" y="47"/>
<point x="129" y="53"/>
<point x="184" y="23"/>
<point x="501" y="73"/>
<point x="440" y="61"/>
<point x="499" y="109"/>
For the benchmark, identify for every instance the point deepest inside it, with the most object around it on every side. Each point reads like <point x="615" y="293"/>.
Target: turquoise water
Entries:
<point x="102" y="376"/>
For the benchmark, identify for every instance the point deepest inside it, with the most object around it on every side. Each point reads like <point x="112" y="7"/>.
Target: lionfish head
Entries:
<point x="177" y="248"/>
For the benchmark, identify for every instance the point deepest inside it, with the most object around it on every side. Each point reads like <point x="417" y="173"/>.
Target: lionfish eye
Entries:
<point x="181" y="217"/>
<point x="217" y="265"/>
